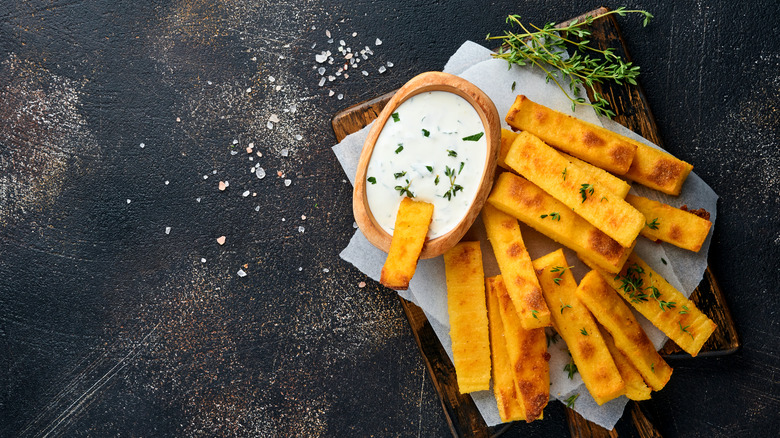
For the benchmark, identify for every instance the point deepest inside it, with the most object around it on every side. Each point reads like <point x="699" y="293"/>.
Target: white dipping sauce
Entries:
<point x="438" y="140"/>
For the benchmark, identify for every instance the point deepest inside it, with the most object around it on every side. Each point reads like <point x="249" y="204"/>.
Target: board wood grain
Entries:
<point x="632" y="111"/>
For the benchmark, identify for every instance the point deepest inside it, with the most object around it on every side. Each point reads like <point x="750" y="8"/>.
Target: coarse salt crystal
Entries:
<point x="365" y="73"/>
<point x="322" y="57"/>
<point x="221" y="240"/>
<point x="354" y="225"/>
<point x="233" y="152"/>
<point x="287" y="182"/>
<point x="167" y="230"/>
<point x="271" y="79"/>
<point x="274" y="118"/>
<point x="321" y="70"/>
<point x="300" y="268"/>
<point x="128" y="201"/>
<point x="197" y="199"/>
<point x="269" y="125"/>
<point x="241" y="273"/>
<point x="205" y="177"/>
<point x="390" y="64"/>
<point x="354" y="34"/>
<point x="142" y="145"/>
<point x="209" y="82"/>
<point x="178" y="119"/>
<point x="340" y="96"/>
<point x="251" y="144"/>
<point x="257" y="208"/>
<point x="222" y="186"/>
<point x="298" y="137"/>
<point x="249" y="90"/>
<point x="260" y="172"/>
<point x="214" y="171"/>
<point x="167" y="182"/>
<point x="322" y="81"/>
<point x="325" y="270"/>
<point x="341" y="42"/>
<point x="331" y="78"/>
<point x="285" y="152"/>
<point x="202" y="260"/>
<point x="382" y="69"/>
<point x="248" y="150"/>
<point x="235" y="141"/>
<point x="245" y="194"/>
<point x="378" y="42"/>
<point x="331" y="93"/>
<point x="301" y="229"/>
<point x="362" y="284"/>
<point x="303" y="217"/>
<point x="327" y="33"/>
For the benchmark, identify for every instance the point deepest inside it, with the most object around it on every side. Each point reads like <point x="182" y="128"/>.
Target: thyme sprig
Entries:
<point x="632" y="284"/>
<point x="545" y="48"/>
<point x="454" y="188"/>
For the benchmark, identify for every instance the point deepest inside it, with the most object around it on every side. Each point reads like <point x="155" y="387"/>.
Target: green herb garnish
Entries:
<point x="430" y="168"/>
<point x="570" y="401"/>
<point x="371" y="179"/>
<point x="399" y="174"/>
<point x="653" y="225"/>
<point x="564" y="306"/>
<point x="585" y="66"/>
<point x="474" y="137"/>
<point x="404" y="190"/>
<point x="533" y="313"/>
<point x="454" y="188"/>
<point x="564" y="173"/>
<point x="436" y="181"/>
<point x="584" y="332"/>
<point x="451" y="153"/>
<point x="554" y="216"/>
<point x="570" y="368"/>
<point x="685" y="329"/>
<point x="426" y="133"/>
<point x="396" y="118"/>
<point x="585" y="190"/>
<point x="399" y="148"/>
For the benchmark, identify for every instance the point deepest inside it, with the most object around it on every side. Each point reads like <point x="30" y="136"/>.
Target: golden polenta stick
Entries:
<point x="468" y="316"/>
<point x="657" y="169"/>
<point x="608" y="180"/>
<point x="662" y="304"/>
<point x="594" y="144"/>
<point x="522" y="199"/>
<point x="517" y="270"/>
<point x="528" y="357"/>
<point x="664" y="222"/>
<point x="544" y="166"/>
<point x="510" y="406"/>
<point x="507" y="137"/>
<point x="575" y="324"/>
<point x="636" y="388"/>
<point x="411" y="227"/>
<point x="616" y="317"/>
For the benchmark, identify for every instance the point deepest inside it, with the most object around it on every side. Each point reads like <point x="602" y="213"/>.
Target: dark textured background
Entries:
<point x="108" y="326"/>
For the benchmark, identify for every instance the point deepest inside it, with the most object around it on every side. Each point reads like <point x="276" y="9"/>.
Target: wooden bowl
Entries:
<point x="430" y="81"/>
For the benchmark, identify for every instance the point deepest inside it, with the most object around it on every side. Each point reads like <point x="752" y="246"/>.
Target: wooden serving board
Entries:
<point x="630" y="105"/>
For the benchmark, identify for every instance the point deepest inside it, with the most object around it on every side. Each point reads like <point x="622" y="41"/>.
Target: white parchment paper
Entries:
<point x="428" y="289"/>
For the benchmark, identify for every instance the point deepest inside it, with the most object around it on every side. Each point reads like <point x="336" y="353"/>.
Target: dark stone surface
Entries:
<point x="111" y="327"/>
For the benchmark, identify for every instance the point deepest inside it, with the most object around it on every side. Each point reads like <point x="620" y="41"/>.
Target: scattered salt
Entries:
<point x="365" y="73"/>
<point x="303" y="217"/>
<point x="221" y="240"/>
<point x="274" y="118"/>
<point x="390" y="64"/>
<point x="285" y="152"/>
<point x="167" y="182"/>
<point x="287" y="182"/>
<point x="142" y="145"/>
<point x="241" y="273"/>
<point x="298" y="137"/>
<point x="167" y="230"/>
<point x="202" y="260"/>
<point x="257" y="208"/>
<point x="362" y="284"/>
<point x="382" y="69"/>
<point x="222" y="186"/>
<point x="260" y="172"/>
<point x="327" y="33"/>
<point x="269" y="125"/>
<point x="331" y="93"/>
<point x="354" y="225"/>
<point x="205" y="177"/>
<point x="245" y="194"/>
<point x="271" y="79"/>
<point x="197" y="199"/>
<point x="249" y="90"/>
<point x="128" y="201"/>
<point x="340" y="96"/>
<point x="378" y="42"/>
<point x="300" y="268"/>
<point x="235" y="141"/>
<point x="322" y="81"/>
<point x="354" y="34"/>
<point x="325" y="270"/>
<point x="321" y="70"/>
<point x="301" y="229"/>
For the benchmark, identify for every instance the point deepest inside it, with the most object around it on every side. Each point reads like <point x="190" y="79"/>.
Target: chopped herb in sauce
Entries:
<point x="451" y="153"/>
<point x="426" y="133"/>
<point x="461" y="167"/>
<point x="404" y="190"/>
<point x="474" y="137"/>
<point x="430" y="168"/>
<point x="399" y="174"/>
<point x="371" y="179"/>
<point x="396" y="117"/>
<point x="400" y="148"/>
